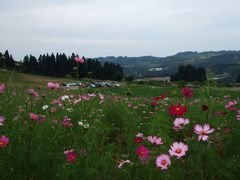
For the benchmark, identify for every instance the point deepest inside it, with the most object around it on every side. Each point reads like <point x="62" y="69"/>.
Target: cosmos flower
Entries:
<point x="138" y="139"/>
<point x="2" y="87"/>
<point x="52" y="85"/>
<point x="187" y="92"/>
<point x="178" y="149"/>
<point x="155" y="140"/>
<point x="204" y="107"/>
<point x="203" y="131"/>
<point x="178" y="110"/>
<point x="162" y="96"/>
<point x="33" y="116"/>
<point x="154" y="103"/>
<point x="179" y="123"/>
<point x="71" y="156"/>
<point x="33" y="93"/>
<point x="163" y="161"/>
<point x="4" y="140"/>
<point x="79" y="60"/>
<point x="67" y="122"/>
<point x="142" y="152"/>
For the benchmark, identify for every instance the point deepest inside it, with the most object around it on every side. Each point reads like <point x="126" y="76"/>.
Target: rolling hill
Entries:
<point x="218" y="62"/>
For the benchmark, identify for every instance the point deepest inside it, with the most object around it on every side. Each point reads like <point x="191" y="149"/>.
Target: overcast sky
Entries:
<point x="96" y="28"/>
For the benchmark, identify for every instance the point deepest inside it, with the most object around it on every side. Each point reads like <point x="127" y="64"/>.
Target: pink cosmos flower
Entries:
<point x="67" y="122"/>
<point x="2" y="119"/>
<point x="179" y="123"/>
<point x="2" y="87"/>
<point x="33" y="93"/>
<point x="202" y="131"/>
<point x="231" y="104"/>
<point x="155" y="140"/>
<point x="4" y="140"/>
<point x="178" y="149"/>
<point x="71" y="156"/>
<point x="33" y="116"/>
<point x="163" y="161"/>
<point x="79" y="60"/>
<point x="142" y="152"/>
<point x="52" y="85"/>
<point x="227" y="96"/>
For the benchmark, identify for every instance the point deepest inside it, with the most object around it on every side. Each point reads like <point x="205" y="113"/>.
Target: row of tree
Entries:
<point x="60" y="65"/>
<point x="7" y="60"/>
<point x="189" y="73"/>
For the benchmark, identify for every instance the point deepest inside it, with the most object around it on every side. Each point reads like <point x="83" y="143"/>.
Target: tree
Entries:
<point x="189" y="73"/>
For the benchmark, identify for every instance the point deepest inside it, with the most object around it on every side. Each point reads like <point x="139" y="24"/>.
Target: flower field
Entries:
<point x="129" y="132"/>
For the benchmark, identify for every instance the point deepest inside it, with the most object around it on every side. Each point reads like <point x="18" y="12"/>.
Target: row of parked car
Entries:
<point x="92" y="84"/>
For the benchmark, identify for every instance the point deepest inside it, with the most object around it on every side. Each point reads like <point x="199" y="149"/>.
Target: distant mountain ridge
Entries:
<point x="219" y="62"/>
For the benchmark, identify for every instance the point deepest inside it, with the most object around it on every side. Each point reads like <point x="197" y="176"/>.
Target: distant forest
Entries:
<point x="60" y="65"/>
<point x="189" y="73"/>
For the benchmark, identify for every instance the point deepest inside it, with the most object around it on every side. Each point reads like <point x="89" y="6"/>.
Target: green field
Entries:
<point x="101" y="132"/>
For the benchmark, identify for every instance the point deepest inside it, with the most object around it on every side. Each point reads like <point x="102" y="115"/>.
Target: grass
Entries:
<point x="107" y="130"/>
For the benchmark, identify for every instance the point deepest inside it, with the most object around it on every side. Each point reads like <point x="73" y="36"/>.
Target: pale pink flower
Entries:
<point x="155" y="140"/>
<point x="52" y="85"/>
<point x="2" y="119"/>
<point x="4" y="140"/>
<point x="79" y="60"/>
<point x="33" y="93"/>
<point x="231" y="104"/>
<point x="178" y="149"/>
<point x="2" y="87"/>
<point x="202" y="131"/>
<point x="179" y="123"/>
<point x="163" y="161"/>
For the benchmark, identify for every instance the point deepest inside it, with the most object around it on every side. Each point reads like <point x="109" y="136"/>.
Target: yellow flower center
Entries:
<point x="177" y="109"/>
<point x="2" y="143"/>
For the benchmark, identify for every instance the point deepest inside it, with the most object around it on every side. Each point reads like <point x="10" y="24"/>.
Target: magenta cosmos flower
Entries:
<point x="187" y="92"/>
<point x="155" y="140"/>
<point x="203" y="131"/>
<point x="52" y="85"/>
<point x="163" y="161"/>
<point x="178" y="149"/>
<point x="79" y="60"/>
<point x="4" y="140"/>
<point x="179" y="123"/>
<point x="142" y="152"/>
<point x="67" y="122"/>
<point x="71" y="156"/>
<point x="2" y="87"/>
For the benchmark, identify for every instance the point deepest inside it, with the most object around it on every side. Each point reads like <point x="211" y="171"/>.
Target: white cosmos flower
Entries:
<point x="45" y="107"/>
